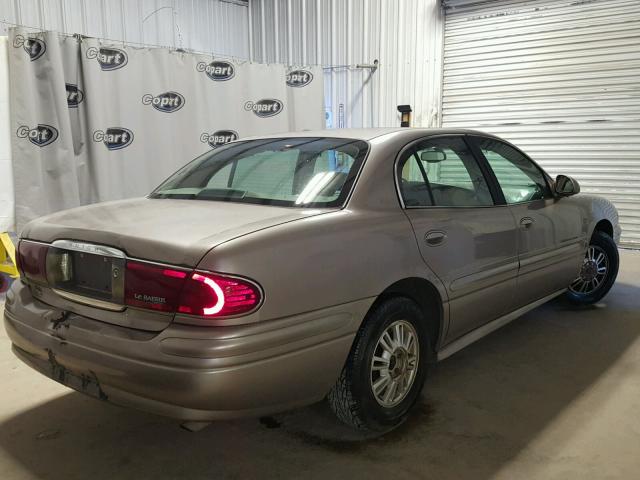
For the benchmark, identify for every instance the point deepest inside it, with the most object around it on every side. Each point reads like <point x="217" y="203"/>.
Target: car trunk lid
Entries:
<point x="177" y="232"/>
<point x="94" y="242"/>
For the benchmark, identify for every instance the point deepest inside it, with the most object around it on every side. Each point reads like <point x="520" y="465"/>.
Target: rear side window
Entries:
<point x="520" y="179"/>
<point x="415" y="190"/>
<point x="442" y="172"/>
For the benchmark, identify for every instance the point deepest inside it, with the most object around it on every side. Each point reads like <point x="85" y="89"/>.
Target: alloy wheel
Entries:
<point x="593" y="272"/>
<point x="394" y="363"/>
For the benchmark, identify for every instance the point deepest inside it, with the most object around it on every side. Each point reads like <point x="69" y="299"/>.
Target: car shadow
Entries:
<point x="480" y="409"/>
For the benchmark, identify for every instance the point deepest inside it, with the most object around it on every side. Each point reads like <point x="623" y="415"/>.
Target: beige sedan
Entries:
<point x="275" y="272"/>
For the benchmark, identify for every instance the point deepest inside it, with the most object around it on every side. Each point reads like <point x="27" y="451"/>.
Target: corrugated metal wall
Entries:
<point x="214" y="26"/>
<point x="405" y="36"/>
<point x="561" y="79"/>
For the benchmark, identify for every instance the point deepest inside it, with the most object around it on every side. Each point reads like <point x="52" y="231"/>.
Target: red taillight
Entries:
<point x="32" y="260"/>
<point x="210" y="295"/>
<point x="156" y="287"/>
<point x="201" y="294"/>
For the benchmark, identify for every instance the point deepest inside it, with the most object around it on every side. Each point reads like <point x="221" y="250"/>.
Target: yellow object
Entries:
<point x="8" y="251"/>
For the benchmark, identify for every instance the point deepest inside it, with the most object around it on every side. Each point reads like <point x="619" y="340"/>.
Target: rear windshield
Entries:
<point x="290" y="172"/>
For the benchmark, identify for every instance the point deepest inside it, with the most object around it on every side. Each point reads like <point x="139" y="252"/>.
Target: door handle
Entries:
<point x="435" y="238"/>
<point x="526" y="222"/>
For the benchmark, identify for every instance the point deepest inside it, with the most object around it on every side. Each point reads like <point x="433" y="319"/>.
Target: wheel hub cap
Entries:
<point x="398" y="363"/>
<point x="589" y="269"/>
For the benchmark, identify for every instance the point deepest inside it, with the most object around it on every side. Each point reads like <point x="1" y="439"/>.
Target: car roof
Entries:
<point x="368" y="133"/>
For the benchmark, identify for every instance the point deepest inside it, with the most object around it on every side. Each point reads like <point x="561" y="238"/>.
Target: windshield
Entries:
<point x="290" y="172"/>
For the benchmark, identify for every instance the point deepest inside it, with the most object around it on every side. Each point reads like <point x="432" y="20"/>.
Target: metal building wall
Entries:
<point x="215" y="26"/>
<point x="561" y="79"/>
<point x="405" y="36"/>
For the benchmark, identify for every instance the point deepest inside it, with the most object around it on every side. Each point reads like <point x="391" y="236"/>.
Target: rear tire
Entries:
<point x="598" y="273"/>
<point x="364" y="397"/>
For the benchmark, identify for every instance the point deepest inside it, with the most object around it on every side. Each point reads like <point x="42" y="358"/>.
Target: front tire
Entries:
<point x="386" y="369"/>
<point x="598" y="272"/>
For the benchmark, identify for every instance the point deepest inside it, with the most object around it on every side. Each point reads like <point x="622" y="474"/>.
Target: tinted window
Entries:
<point x="520" y="179"/>
<point x="443" y="172"/>
<point x="300" y="172"/>
<point x="415" y="190"/>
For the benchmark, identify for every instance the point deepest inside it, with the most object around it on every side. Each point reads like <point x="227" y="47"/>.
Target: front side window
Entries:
<point x="443" y="172"/>
<point x="292" y="172"/>
<point x="520" y="179"/>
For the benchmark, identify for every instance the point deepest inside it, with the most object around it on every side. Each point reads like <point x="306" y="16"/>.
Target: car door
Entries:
<point x="551" y="232"/>
<point x="467" y="240"/>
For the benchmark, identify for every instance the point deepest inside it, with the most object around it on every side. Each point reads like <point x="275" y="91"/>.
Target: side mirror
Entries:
<point x="433" y="155"/>
<point x="566" y="186"/>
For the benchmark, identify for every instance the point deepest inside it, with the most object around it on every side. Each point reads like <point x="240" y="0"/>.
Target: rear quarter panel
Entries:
<point x="322" y="261"/>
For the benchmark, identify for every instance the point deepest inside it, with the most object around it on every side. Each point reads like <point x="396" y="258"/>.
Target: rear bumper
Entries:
<point x="184" y="372"/>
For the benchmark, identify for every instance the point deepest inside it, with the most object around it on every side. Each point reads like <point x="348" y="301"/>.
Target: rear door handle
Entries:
<point x="526" y="222"/>
<point x="435" y="238"/>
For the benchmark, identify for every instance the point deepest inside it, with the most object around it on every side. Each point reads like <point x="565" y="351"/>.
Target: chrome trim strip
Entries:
<point x="432" y="207"/>
<point x="88" y="248"/>
<point x="32" y="241"/>
<point x="160" y="264"/>
<point x="483" y="331"/>
<point x="92" y="302"/>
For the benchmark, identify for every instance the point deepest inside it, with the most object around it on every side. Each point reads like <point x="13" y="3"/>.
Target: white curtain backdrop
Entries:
<point x="6" y="175"/>
<point x="94" y="121"/>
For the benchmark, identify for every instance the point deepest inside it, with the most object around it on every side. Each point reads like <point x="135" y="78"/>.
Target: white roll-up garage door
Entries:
<point x="560" y="79"/>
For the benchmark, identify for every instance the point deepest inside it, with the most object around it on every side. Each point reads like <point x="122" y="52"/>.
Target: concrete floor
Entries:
<point x="554" y="395"/>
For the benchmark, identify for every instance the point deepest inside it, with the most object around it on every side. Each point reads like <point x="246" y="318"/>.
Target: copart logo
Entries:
<point x="219" y="137"/>
<point x="299" y="78"/>
<point x="75" y="96"/>
<point x="108" y="58"/>
<point x="33" y="46"/>
<point x="114" y="138"/>
<point x="167" y="102"/>
<point x="267" y="107"/>
<point x="218" y="71"/>
<point x="41" y="136"/>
